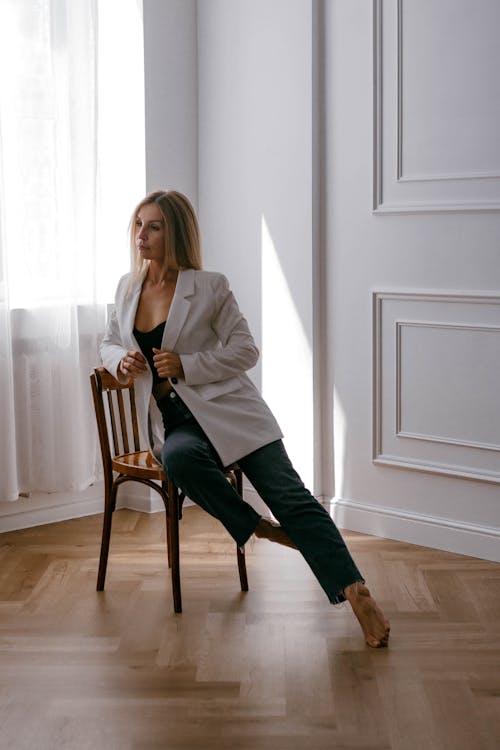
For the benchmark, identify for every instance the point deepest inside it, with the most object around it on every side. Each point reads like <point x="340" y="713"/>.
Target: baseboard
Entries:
<point x="429" y="531"/>
<point x="41" y="508"/>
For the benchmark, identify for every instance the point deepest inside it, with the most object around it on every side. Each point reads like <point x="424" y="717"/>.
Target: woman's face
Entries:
<point x="150" y="233"/>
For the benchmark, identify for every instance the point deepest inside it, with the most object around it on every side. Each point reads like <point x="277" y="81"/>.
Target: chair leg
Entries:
<point x="240" y="551"/>
<point x="164" y="486"/>
<point x="242" y="568"/>
<point x="173" y="534"/>
<point x="109" y="506"/>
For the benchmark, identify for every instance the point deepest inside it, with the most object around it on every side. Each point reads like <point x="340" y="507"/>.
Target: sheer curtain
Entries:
<point x="57" y="248"/>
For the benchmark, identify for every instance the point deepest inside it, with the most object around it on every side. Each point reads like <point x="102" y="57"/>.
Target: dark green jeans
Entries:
<point x="192" y="463"/>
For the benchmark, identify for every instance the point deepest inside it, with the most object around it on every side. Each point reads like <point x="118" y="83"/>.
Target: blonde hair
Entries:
<point x="182" y="234"/>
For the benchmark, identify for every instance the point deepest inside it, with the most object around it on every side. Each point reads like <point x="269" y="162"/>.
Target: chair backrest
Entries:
<point x="116" y="410"/>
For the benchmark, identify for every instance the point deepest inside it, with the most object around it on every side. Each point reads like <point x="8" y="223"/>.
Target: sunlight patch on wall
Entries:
<point x="287" y="369"/>
<point x="340" y="433"/>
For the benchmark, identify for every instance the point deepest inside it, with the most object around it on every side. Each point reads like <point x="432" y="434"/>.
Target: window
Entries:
<point x="72" y="146"/>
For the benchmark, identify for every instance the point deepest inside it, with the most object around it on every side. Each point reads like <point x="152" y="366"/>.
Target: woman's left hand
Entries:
<point x="168" y="364"/>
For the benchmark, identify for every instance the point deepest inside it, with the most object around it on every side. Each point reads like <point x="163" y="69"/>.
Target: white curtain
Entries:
<point x="53" y="233"/>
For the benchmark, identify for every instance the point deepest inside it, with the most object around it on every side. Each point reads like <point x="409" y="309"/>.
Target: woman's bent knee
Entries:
<point x="181" y="453"/>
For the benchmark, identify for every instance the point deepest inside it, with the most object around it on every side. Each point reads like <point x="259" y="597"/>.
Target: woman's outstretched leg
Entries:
<point x="311" y="529"/>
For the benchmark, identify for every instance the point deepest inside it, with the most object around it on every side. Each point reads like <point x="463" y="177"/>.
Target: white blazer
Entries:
<point x="207" y="330"/>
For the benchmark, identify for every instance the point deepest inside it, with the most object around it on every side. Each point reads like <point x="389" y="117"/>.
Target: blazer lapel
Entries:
<point x="179" y="309"/>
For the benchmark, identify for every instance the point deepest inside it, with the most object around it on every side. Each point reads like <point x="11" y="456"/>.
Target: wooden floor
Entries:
<point x="276" y="668"/>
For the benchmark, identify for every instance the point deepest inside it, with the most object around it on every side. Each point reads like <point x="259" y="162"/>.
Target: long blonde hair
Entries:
<point x="182" y="234"/>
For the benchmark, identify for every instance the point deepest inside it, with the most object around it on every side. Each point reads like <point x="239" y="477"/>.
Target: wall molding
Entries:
<point x="401" y="177"/>
<point x="400" y="325"/>
<point x="440" y="177"/>
<point x="386" y="457"/>
<point x="416" y="528"/>
<point x="410" y="202"/>
<point x="437" y="467"/>
<point x="378" y="192"/>
<point x="452" y="207"/>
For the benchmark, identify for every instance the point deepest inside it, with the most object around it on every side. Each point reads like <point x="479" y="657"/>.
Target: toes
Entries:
<point x="374" y="643"/>
<point x="381" y="641"/>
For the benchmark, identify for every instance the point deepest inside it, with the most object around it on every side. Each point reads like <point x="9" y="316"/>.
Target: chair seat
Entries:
<point x="139" y="464"/>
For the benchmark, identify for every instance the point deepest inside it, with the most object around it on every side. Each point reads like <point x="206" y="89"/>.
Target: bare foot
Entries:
<point x="373" y="623"/>
<point x="267" y="529"/>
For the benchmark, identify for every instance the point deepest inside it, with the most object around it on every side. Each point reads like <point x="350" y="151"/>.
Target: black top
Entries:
<point x="147" y="340"/>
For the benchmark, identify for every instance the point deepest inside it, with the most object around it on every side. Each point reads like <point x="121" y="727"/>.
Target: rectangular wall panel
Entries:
<point x="436" y="118"/>
<point x="436" y="383"/>
<point x="448" y="383"/>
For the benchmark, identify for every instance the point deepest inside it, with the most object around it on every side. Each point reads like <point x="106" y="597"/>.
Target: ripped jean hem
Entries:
<point x="340" y="597"/>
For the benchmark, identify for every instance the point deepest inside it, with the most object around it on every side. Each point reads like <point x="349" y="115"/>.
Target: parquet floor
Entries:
<point x="277" y="668"/>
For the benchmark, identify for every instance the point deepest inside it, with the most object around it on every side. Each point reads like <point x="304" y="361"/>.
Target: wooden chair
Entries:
<point x="124" y="461"/>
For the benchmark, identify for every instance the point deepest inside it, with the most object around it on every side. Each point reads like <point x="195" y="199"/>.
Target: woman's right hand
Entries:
<point x="132" y="364"/>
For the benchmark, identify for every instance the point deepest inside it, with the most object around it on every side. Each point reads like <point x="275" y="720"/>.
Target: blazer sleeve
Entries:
<point x="112" y="349"/>
<point x="237" y="351"/>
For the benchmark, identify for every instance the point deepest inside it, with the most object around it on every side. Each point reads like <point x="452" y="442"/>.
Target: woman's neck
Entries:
<point x="161" y="276"/>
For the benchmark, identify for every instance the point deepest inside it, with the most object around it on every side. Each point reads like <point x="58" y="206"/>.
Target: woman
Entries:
<point x="179" y="332"/>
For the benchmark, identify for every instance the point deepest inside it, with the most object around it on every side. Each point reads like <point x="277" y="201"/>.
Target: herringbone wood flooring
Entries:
<point x="277" y="668"/>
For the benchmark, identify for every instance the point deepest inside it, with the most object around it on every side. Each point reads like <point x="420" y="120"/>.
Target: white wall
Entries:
<point x="171" y="99"/>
